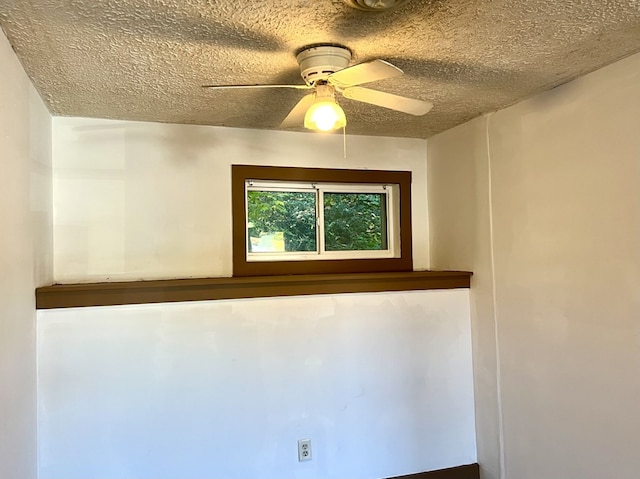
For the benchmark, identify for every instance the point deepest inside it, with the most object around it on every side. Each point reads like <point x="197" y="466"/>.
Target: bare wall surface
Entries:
<point x="564" y="224"/>
<point x="381" y="383"/>
<point x="148" y="201"/>
<point x="25" y="257"/>
<point x="461" y="239"/>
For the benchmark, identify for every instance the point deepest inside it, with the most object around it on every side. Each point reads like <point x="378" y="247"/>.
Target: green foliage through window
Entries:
<point x="279" y="220"/>
<point x="276" y="216"/>
<point x="355" y="221"/>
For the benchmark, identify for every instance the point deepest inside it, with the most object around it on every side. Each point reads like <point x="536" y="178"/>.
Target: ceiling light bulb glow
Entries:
<point x="325" y="116"/>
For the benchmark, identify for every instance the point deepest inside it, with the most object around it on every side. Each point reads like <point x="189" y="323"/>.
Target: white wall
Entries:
<point x="461" y="240"/>
<point x="381" y="383"/>
<point x="542" y="200"/>
<point x="25" y="257"/>
<point x="144" y="200"/>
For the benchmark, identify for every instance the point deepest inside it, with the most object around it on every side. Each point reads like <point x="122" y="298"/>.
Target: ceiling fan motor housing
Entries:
<point x="317" y="63"/>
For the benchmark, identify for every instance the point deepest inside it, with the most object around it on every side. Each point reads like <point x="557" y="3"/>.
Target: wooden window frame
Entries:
<point x="241" y="267"/>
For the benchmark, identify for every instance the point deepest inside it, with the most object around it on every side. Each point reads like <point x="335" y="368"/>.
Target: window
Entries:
<point x="291" y="221"/>
<point x="310" y="220"/>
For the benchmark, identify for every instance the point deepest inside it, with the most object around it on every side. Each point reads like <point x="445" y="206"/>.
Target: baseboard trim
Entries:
<point x="469" y="471"/>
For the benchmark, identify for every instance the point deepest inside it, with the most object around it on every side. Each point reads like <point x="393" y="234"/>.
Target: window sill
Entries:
<point x="175" y="290"/>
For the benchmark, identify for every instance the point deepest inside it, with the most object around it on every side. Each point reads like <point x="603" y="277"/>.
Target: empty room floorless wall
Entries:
<point x="138" y="200"/>
<point x="542" y="201"/>
<point x="381" y="383"/>
<point x="25" y="257"/>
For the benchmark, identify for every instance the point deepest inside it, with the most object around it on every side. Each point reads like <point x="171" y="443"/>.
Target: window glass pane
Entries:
<point x="281" y="221"/>
<point x="355" y="221"/>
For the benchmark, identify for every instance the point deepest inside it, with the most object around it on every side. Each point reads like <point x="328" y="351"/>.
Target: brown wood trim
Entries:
<point x="163" y="291"/>
<point x="241" y="267"/>
<point x="469" y="471"/>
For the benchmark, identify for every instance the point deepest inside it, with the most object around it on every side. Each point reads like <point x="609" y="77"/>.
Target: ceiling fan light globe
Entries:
<point x="325" y="116"/>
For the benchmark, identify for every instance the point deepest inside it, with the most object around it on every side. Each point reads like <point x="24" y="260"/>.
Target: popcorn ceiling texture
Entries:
<point x="147" y="59"/>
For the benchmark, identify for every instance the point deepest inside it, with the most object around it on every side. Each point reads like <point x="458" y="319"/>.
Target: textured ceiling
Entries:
<point x="147" y="59"/>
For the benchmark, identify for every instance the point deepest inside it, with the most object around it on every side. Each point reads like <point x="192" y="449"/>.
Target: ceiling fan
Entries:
<point x="325" y="70"/>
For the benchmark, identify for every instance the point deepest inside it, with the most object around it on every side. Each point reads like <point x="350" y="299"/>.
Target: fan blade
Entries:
<point x="388" y="100"/>
<point x="364" y="73"/>
<point x="296" y="115"/>
<point x="229" y="87"/>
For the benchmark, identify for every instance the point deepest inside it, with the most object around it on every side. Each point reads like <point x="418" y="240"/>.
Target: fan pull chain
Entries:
<point x="344" y="141"/>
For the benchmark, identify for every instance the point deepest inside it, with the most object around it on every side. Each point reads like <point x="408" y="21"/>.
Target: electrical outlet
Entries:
<point x="304" y="450"/>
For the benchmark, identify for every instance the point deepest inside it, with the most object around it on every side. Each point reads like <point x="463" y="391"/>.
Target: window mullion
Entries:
<point x="387" y="242"/>
<point x="320" y="221"/>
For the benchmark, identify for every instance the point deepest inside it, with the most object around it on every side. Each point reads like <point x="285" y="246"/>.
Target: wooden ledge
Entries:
<point x="165" y="291"/>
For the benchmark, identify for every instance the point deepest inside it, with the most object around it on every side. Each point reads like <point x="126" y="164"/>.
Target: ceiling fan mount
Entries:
<point x="319" y="61"/>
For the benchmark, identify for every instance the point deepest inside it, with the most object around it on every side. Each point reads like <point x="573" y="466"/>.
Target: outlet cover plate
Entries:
<point x="304" y="450"/>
